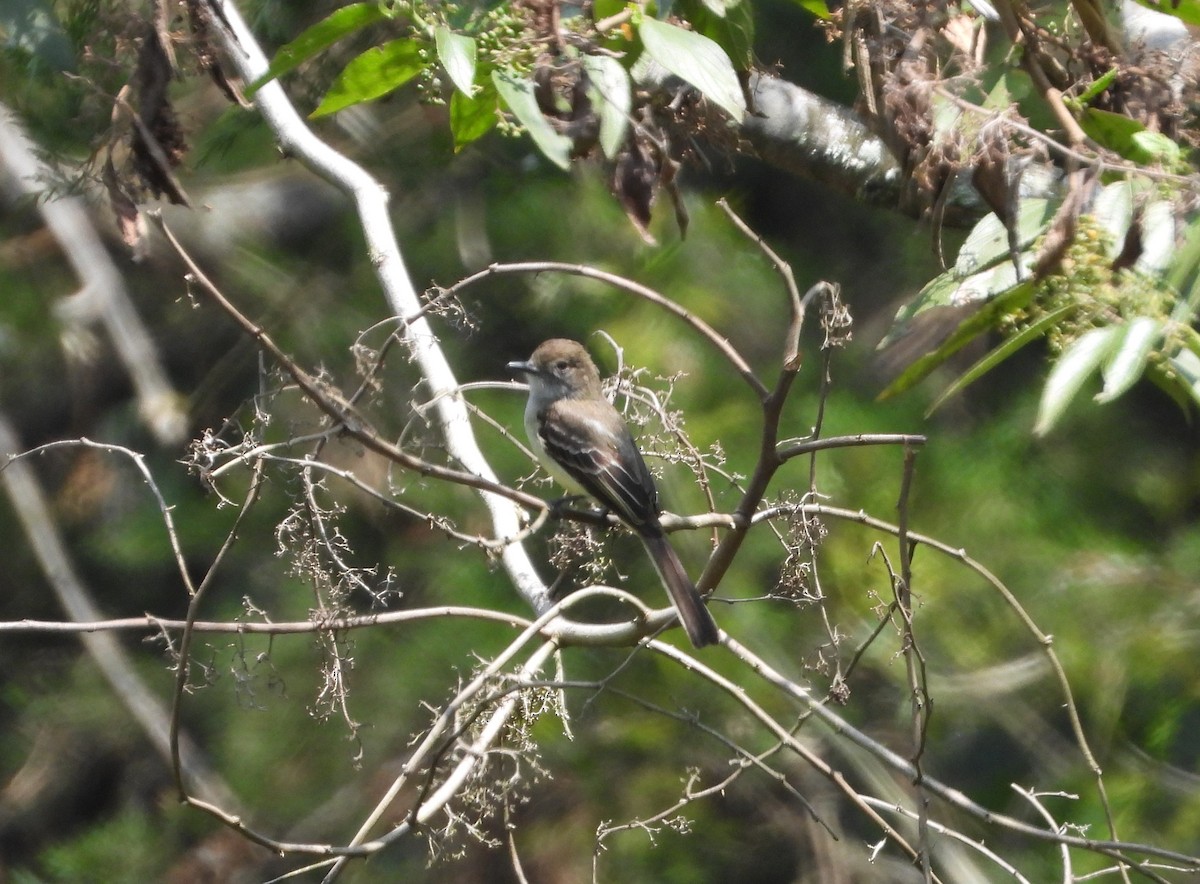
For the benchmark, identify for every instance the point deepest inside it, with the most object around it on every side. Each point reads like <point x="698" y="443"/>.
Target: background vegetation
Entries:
<point x="607" y="768"/>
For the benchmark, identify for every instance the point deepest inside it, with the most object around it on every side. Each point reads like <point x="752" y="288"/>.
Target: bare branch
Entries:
<point x="696" y="323"/>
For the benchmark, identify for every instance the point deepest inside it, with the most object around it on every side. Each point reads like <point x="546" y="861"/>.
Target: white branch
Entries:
<point x="371" y="202"/>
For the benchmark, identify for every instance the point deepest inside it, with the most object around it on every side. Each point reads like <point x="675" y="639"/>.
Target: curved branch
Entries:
<point x="811" y="137"/>
<point x="699" y="325"/>
<point x="371" y="202"/>
<point x="1118" y="850"/>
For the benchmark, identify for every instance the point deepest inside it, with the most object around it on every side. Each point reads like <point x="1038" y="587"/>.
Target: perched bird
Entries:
<point x="584" y="443"/>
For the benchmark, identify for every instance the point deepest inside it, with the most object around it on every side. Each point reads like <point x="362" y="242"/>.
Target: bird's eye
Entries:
<point x="562" y="365"/>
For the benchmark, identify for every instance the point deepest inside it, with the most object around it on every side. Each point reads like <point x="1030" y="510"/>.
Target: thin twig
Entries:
<point x="636" y="288"/>
<point x="185" y="641"/>
<point x="1119" y="850"/>
<point x="332" y="403"/>
<point x="791" y="351"/>
<point x="1033" y="798"/>
<point x="371" y="202"/>
<point x="1100" y="163"/>
<point x="33" y="512"/>
<point x="922" y="702"/>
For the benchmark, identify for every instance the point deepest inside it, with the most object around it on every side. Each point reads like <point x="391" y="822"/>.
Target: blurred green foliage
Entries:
<point x="1092" y="527"/>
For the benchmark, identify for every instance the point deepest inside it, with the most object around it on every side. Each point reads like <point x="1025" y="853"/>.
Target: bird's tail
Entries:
<point x="697" y="622"/>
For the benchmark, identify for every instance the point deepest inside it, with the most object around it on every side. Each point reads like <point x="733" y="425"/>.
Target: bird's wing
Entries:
<point x="590" y="441"/>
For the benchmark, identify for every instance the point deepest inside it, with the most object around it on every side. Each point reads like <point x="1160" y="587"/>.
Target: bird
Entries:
<point x="586" y="446"/>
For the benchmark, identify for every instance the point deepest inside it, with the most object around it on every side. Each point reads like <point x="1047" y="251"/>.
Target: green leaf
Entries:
<point x="1098" y="86"/>
<point x="1187" y="11"/>
<point x="1160" y="148"/>
<point x="819" y="8"/>
<point x="318" y="37"/>
<point x="946" y="115"/>
<point x="517" y="95"/>
<point x="1191" y="339"/>
<point x="1158" y="238"/>
<point x="1128" y="137"/>
<point x="1010" y="346"/>
<point x="697" y="60"/>
<point x="1076" y="364"/>
<point x="984" y="272"/>
<point x="611" y="95"/>
<point x="456" y="52"/>
<point x="728" y="23"/>
<point x="472" y="118"/>
<point x="1129" y="355"/>
<point x="1185" y="365"/>
<point x="1000" y="97"/>
<point x="987" y="243"/>
<point x="373" y="74"/>
<point x="602" y="9"/>
<point x="1114" y="210"/>
<point x="952" y="290"/>
<point x="971" y="326"/>
<point x="1184" y="273"/>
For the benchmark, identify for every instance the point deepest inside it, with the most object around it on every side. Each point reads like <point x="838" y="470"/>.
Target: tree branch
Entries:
<point x="371" y="202"/>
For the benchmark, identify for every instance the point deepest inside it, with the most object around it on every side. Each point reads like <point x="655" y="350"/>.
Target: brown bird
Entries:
<point x="584" y="443"/>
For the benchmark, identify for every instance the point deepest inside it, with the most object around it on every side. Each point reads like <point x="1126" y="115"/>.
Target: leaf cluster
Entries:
<point x="1096" y="259"/>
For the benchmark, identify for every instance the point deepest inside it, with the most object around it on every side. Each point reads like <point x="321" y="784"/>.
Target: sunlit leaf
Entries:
<point x="456" y="52"/>
<point x="1109" y="129"/>
<point x="373" y="74"/>
<point x="984" y="273"/>
<point x="1114" y="210"/>
<point x="1006" y="349"/>
<point x="472" y="118"/>
<point x="1127" y="137"/>
<point x="1000" y="96"/>
<point x="612" y="97"/>
<point x="952" y="290"/>
<point x="1158" y="238"/>
<point x="728" y="23"/>
<point x="1156" y="146"/>
<point x="988" y="241"/>
<point x="983" y="8"/>
<point x="1073" y="367"/>
<point x="1186" y="367"/>
<point x="318" y="37"/>
<point x="602" y="9"/>
<point x="517" y="95"/>
<point x="819" y="8"/>
<point x="1127" y="360"/>
<point x="697" y="60"/>
<point x="946" y="114"/>
<point x="1183" y="274"/>
<point x="1100" y="84"/>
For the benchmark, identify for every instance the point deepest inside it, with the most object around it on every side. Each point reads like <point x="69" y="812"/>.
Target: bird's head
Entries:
<point x="559" y="367"/>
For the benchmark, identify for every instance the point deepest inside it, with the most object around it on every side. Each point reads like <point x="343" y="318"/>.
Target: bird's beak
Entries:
<point x="522" y="368"/>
